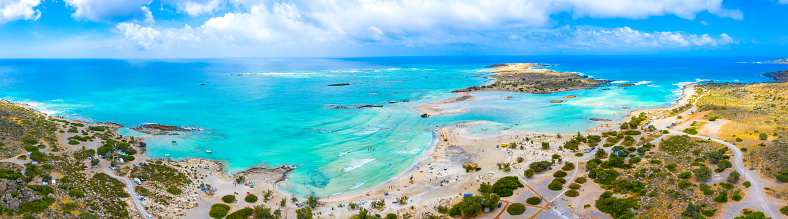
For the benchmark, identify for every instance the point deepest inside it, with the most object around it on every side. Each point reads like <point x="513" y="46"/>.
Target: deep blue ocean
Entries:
<point x="269" y="112"/>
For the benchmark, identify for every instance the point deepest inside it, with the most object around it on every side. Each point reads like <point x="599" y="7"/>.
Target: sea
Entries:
<point x="272" y="112"/>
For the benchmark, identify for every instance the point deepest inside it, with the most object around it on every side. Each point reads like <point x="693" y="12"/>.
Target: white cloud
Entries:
<point x="783" y="1"/>
<point x="11" y="10"/>
<point x="196" y="7"/>
<point x="111" y="10"/>
<point x="421" y="22"/>
<point x="625" y="37"/>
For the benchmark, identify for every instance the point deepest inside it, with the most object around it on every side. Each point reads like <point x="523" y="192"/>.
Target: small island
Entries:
<point x="525" y="78"/>
<point x="779" y="61"/>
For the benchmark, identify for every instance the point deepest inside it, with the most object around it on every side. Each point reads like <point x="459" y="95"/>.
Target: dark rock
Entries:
<point x="425" y="115"/>
<point x="367" y="106"/>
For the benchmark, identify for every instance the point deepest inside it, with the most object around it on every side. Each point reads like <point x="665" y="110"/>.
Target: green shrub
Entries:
<point x="31" y="148"/>
<point x="505" y="186"/>
<point x="391" y="216"/>
<point x="529" y="173"/>
<point x="572" y="193"/>
<point x="685" y="175"/>
<point x="555" y="186"/>
<point x="568" y="167"/>
<point x="76" y="193"/>
<point x="574" y="186"/>
<point x="219" y="210"/>
<point x="533" y="200"/>
<point x="709" y="213"/>
<point x="174" y="190"/>
<point x="736" y="196"/>
<point x="722" y="197"/>
<point x="746" y="184"/>
<point x="634" y="160"/>
<point x="251" y="198"/>
<point x="22" y="157"/>
<point x="516" y="209"/>
<point x="241" y="214"/>
<point x="784" y="210"/>
<point x="559" y="174"/>
<point x="228" y="199"/>
<point x="540" y="166"/>
<point x="581" y="180"/>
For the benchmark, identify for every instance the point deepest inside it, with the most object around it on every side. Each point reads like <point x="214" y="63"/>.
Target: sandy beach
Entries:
<point x="433" y="109"/>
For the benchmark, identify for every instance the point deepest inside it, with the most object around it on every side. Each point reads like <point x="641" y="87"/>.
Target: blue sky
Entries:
<point x="352" y="28"/>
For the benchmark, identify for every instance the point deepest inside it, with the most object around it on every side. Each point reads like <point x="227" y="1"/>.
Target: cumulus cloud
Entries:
<point x="196" y="7"/>
<point x="420" y="22"/>
<point x="11" y="10"/>
<point x="622" y="38"/>
<point x="111" y="10"/>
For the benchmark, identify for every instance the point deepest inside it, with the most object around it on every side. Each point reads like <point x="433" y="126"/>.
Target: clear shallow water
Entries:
<point x="279" y="111"/>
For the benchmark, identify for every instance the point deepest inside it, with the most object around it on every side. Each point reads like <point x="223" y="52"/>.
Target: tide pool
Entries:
<point x="269" y="112"/>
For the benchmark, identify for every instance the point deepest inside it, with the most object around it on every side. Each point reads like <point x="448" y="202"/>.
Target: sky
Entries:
<point x="362" y="28"/>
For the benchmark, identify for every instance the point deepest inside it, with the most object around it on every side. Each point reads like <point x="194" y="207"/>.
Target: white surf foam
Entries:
<point x="356" y="164"/>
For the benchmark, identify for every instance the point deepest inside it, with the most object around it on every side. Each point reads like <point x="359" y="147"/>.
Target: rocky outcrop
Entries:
<point x="268" y="175"/>
<point x="14" y="194"/>
<point x="159" y="129"/>
<point x="780" y="76"/>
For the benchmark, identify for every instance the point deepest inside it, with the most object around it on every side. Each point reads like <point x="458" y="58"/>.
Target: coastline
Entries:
<point x="401" y="178"/>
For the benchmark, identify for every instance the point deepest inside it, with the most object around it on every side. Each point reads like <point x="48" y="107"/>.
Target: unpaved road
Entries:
<point x="754" y="194"/>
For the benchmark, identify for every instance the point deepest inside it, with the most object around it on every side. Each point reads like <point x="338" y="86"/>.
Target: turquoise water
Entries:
<point x="269" y="112"/>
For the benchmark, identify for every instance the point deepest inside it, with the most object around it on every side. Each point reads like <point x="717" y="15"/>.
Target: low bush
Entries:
<point x="516" y="209"/>
<point x="572" y="193"/>
<point x="536" y="200"/>
<point x="174" y="190"/>
<point x="251" y="198"/>
<point x="228" y="199"/>
<point x="219" y="210"/>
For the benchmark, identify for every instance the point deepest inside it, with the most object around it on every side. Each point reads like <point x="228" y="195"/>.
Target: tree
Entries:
<point x="685" y="175"/>
<point x="529" y="173"/>
<point x="94" y="162"/>
<point x="485" y="188"/>
<point x="304" y="213"/>
<point x="471" y="205"/>
<point x="539" y="166"/>
<point x="690" y="210"/>
<point x="601" y="154"/>
<point x="763" y="136"/>
<point x="615" y="160"/>
<point x="545" y="145"/>
<point x="282" y="203"/>
<point x="724" y="164"/>
<point x="312" y="201"/>
<point x="505" y="186"/>
<point x="702" y="173"/>
<point x="624" y="126"/>
<point x="559" y="174"/>
<point x="617" y="208"/>
<point x="714" y="156"/>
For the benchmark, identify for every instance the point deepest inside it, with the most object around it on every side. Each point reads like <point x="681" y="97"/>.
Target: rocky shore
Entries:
<point x="159" y="129"/>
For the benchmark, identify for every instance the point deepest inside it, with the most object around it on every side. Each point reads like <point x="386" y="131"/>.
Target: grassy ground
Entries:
<point x="755" y="112"/>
